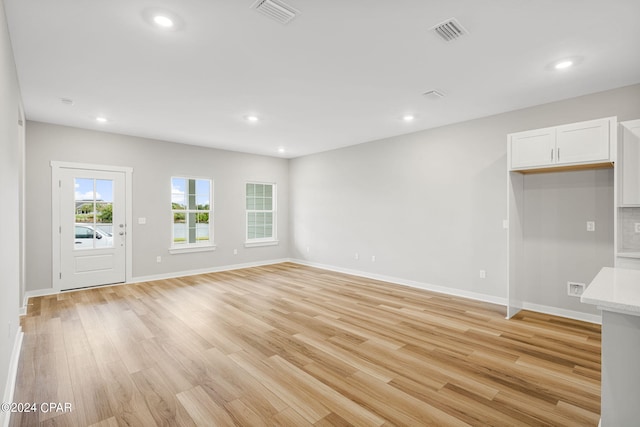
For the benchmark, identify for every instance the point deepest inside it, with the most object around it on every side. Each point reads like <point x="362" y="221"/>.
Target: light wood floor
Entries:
<point x="296" y="346"/>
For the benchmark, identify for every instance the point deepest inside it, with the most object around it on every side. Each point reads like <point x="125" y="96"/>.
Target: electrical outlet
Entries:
<point x="575" y="289"/>
<point x="235" y="252"/>
<point x="505" y="223"/>
<point x="142" y="221"/>
<point x="373" y="258"/>
<point x="357" y="255"/>
<point x="158" y="259"/>
<point x="483" y="274"/>
<point x="591" y="226"/>
<point x="308" y="249"/>
<point x="636" y="227"/>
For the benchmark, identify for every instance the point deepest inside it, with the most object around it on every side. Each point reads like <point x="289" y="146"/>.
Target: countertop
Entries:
<point x="615" y="289"/>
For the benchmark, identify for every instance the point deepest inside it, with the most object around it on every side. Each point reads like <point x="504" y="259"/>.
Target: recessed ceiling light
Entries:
<point x="101" y="119"/>
<point x="281" y="150"/>
<point x="568" y="62"/>
<point x="252" y="118"/>
<point x="408" y="117"/>
<point x="563" y="64"/>
<point x="163" y="21"/>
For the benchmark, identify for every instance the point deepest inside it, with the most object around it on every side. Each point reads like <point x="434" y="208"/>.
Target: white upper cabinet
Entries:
<point x="569" y="145"/>
<point x="532" y="148"/>
<point x="630" y="163"/>
<point x="583" y="142"/>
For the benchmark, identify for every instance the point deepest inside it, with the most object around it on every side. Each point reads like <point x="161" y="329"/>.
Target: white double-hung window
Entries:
<point x="261" y="210"/>
<point x="192" y="213"/>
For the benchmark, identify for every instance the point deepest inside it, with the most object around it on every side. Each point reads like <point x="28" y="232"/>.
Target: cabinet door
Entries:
<point x="584" y="142"/>
<point x="629" y="162"/>
<point x="532" y="148"/>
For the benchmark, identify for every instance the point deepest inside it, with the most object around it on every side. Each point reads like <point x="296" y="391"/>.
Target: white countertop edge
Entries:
<point x="616" y="290"/>
<point x="619" y="308"/>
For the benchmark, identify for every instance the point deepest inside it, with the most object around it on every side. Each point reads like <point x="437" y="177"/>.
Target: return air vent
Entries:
<point x="449" y="30"/>
<point x="276" y="10"/>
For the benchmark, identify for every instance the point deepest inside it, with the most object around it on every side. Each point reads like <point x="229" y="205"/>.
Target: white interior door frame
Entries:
<point x="56" y="167"/>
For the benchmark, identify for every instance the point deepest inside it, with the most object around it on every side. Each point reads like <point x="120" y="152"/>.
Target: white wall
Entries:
<point x="557" y="246"/>
<point x="10" y="171"/>
<point x="429" y="205"/>
<point x="154" y="163"/>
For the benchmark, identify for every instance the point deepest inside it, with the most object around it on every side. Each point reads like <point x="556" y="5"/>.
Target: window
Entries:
<point x="261" y="214"/>
<point x="192" y="211"/>
<point x="93" y="200"/>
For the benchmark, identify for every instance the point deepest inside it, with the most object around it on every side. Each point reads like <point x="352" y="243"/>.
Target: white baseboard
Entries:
<point x="172" y="275"/>
<point x="12" y="377"/>
<point x="555" y="311"/>
<point x="420" y="285"/>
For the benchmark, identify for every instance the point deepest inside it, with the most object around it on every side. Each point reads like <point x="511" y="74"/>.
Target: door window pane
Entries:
<point x="93" y="213"/>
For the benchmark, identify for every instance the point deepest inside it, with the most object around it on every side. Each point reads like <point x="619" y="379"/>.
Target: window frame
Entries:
<point x="262" y="241"/>
<point x="186" y="247"/>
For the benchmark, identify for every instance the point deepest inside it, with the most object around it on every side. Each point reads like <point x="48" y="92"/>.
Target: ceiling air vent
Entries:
<point x="449" y="30"/>
<point x="276" y="10"/>
<point x="433" y="94"/>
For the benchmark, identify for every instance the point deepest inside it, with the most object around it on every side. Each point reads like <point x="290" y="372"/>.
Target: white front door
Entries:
<point x="91" y="229"/>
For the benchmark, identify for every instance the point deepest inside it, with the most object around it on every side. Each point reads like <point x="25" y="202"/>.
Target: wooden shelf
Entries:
<point x="567" y="168"/>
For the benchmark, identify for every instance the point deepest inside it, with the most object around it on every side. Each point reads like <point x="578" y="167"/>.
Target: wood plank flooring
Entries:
<point x="288" y="345"/>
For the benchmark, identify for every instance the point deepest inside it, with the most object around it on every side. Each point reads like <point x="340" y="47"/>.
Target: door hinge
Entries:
<point x="60" y="183"/>
<point x="60" y="230"/>
<point x="60" y="275"/>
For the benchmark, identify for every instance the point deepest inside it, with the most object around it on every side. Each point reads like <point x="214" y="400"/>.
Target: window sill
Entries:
<point x="263" y="243"/>
<point x="189" y="249"/>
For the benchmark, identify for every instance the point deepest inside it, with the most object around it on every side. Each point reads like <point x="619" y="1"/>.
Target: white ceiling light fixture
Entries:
<point x="101" y="119"/>
<point x="281" y="150"/>
<point x="562" y="65"/>
<point x="408" y="118"/>
<point x="163" y="19"/>
<point x="251" y="118"/>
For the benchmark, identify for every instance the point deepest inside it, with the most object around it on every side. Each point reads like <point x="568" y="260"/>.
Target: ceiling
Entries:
<point x="341" y="73"/>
